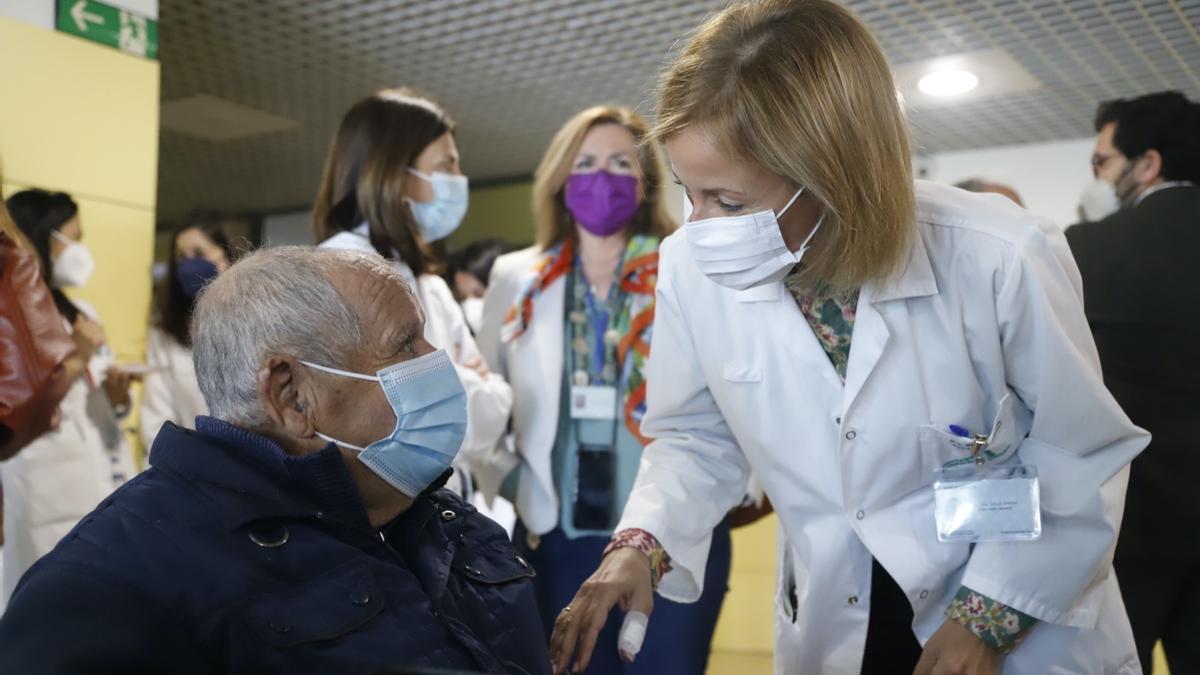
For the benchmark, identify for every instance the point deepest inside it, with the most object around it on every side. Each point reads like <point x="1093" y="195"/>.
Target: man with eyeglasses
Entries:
<point x="1142" y="298"/>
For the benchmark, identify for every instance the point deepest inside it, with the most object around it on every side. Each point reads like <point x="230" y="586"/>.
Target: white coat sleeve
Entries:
<point x="693" y="472"/>
<point x="157" y="405"/>
<point x="1080" y="441"/>
<point x="489" y="398"/>
<point x="492" y="464"/>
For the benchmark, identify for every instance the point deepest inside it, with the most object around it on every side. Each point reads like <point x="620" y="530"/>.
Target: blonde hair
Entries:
<point x="801" y="88"/>
<point x="553" y="221"/>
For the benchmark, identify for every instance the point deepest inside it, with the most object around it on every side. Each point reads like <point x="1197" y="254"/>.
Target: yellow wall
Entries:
<point x="502" y="211"/>
<point x="747" y="619"/>
<point x="85" y="121"/>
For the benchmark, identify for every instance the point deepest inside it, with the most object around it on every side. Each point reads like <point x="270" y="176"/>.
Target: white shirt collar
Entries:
<point x="363" y="230"/>
<point x="1162" y="186"/>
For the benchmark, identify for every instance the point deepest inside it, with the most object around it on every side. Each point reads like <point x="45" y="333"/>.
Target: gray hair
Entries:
<point x="274" y="301"/>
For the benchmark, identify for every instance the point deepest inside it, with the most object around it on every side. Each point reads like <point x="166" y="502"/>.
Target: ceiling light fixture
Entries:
<point x="948" y="82"/>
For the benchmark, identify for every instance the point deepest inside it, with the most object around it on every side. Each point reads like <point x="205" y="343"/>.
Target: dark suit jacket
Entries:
<point x="1142" y="295"/>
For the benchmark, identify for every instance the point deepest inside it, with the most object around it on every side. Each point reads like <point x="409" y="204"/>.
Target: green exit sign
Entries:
<point x="110" y="26"/>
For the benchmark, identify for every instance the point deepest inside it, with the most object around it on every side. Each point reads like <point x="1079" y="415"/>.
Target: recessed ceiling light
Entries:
<point x="948" y="82"/>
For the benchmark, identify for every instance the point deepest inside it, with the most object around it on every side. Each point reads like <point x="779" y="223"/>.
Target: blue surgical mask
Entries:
<point x="431" y="421"/>
<point x="439" y="218"/>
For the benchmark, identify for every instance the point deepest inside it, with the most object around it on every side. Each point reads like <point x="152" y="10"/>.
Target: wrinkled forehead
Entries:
<point x="383" y="300"/>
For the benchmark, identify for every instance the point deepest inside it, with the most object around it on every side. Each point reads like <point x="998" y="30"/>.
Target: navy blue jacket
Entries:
<point x="230" y="556"/>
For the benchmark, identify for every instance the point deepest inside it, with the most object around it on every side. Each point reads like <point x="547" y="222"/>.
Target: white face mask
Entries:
<point x="745" y="251"/>
<point x="473" y="311"/>
<point x="1099" y="200"/>
<point x="73" y="266"/>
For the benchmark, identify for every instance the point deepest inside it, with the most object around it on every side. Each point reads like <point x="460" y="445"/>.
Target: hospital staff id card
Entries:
<point x="593" y="403"/>
<point x="987" y="503"/>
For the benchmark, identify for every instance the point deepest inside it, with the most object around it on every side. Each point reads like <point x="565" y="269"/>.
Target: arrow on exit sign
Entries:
<point x="109" y="26"/>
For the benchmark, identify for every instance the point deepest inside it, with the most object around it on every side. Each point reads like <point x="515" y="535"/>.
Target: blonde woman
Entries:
<point x="871" y="350"/>
<point x="392" y="185"/>
<point x="569" y="322"/>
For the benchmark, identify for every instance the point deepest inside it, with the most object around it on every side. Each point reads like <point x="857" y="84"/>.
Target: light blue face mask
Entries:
<point x="431" y="421"/>
<point x="439" y="218"/>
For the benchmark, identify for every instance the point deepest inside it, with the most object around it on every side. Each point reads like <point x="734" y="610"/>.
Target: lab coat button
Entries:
<point x="851" y="435"/>
<point x="837" y="421"/>
<point x="860" y="515"/>
<point x="853" y="600"/>
<point x="924" y="594"/>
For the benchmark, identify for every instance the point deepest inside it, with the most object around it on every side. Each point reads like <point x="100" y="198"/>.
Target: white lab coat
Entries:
<point x="489" y="399"/>
<point x="534" y="365"/>
<point x="170" y="392"/>
<point x="988" y="307"/>
<point x="63" y="475"/>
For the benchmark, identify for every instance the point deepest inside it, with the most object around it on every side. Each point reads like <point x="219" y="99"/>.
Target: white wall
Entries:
<point x="1048" y="176"/>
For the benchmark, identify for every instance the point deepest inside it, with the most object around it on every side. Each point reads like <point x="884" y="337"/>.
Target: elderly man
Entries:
<point x="301" y="528"/>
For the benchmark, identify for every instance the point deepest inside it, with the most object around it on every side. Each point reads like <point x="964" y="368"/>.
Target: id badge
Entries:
<point x="987" y="503"/>
<point x="593" y="403"/>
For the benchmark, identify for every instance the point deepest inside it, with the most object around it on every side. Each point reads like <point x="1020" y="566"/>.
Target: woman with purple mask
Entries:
<point x="568" y="321"/>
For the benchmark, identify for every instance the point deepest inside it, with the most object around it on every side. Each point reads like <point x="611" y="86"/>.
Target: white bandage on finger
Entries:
<point x="633" y="632"/>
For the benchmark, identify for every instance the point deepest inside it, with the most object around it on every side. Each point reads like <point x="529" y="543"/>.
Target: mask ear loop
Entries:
<point x="813" y="232"/>
<point x="790" y="202"/>
<point x="344" y="373"/>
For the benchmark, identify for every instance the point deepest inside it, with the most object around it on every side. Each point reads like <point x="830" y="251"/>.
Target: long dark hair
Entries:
<point x="476" y="259"/>
<point x="380" y="137"/>
<point x="174" y="306"/>
<point x="39" y="214"/>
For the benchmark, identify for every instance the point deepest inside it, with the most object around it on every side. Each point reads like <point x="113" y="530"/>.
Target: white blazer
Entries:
<point x="64" y="474"/>
<point x="533" y="363"/>
<point x="170" y="391"/>
<point x="489" y="399"/>
<point x="984" y="326"/>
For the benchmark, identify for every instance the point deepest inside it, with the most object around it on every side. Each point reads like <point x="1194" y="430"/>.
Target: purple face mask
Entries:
<point x="602" y="202"/>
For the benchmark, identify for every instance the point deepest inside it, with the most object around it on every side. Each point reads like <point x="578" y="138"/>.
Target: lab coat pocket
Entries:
<point x="940" y="447"/>
<point x="741" y="372"/>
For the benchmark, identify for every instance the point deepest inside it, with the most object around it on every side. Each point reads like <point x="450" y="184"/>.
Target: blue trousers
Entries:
<point x="679" y="636"/>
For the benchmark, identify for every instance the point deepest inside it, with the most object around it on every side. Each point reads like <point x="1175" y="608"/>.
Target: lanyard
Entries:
<point x="599" y="319"/>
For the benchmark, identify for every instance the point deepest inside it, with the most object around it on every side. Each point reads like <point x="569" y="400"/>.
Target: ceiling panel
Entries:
<point x="511" y="71"/>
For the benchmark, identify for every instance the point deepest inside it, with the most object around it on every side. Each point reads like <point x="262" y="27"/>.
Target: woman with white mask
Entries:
<point x="907" y="370"/>
<point x="65" y="473"/>
<point x="392" y="185"/>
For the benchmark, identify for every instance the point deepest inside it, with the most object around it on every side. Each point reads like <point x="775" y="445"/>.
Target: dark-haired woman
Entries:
<point x="199" y="252"/>
<point x="64" y="474"/>
<point x="392" y="185"/>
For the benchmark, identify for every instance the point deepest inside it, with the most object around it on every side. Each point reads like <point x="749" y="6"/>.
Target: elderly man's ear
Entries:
<point x="283" y="395"/>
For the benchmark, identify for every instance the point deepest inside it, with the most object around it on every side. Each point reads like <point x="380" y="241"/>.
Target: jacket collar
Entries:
<point x="251" y="478"/>
<point x="916" y="280"/>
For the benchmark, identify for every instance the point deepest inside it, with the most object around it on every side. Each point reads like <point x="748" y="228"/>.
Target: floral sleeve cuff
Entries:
<point x="641" y="540"/>
<point x="997" y="624"/>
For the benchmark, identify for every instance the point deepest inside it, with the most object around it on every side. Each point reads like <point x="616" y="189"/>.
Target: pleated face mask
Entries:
<point x="431" y="421"/>
<point x="745" y="251"/>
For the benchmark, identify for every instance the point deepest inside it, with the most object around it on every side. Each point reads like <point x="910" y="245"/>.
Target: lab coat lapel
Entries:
<point x="871" y="334"/>
<point x="547" y="333"/>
